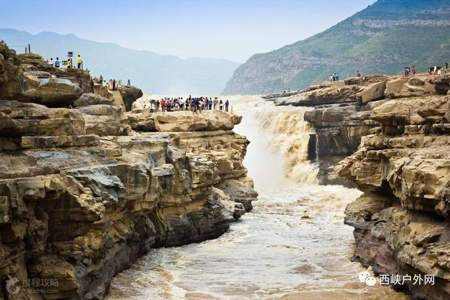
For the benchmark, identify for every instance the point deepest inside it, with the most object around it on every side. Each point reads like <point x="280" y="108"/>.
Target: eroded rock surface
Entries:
<point x="396" y="130"/>
<point x="342" y="109"/>
<point x="28" y="78"/>
<point x="86" y="191"/>
<point x="129" y="95"/>
<point x="401" y="223"/>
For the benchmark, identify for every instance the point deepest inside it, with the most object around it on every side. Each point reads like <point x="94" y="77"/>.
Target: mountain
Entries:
<point x="383" y="38"/>
<point x="155" y="73"/>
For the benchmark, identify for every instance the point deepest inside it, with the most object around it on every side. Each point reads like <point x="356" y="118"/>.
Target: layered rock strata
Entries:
<point x="342" y="109"/>
<point x="401" y="222"/>
<point x="85" y="191"/>
<point x="398" y="131"/>
<point x="28" y="78"/>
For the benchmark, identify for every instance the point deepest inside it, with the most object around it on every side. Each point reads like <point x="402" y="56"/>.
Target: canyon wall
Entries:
<point x="87" y="188"/>
<point x="401" y="223"/>
<point x="396" y="131"/>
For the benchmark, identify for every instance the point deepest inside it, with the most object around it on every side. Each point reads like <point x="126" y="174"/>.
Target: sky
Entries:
<point x="229" y="29"/>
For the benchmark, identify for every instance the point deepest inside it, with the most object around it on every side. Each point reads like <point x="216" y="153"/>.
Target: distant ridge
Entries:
<point x="155" y="73"/>
<point x="383" y="38"/>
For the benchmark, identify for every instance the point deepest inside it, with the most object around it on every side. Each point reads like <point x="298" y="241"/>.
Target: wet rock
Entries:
<point x="338" y="129"/>
<point x="240" y="191"/>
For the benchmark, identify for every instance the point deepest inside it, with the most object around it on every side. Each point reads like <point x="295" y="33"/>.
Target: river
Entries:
<point x="293" y="245"/>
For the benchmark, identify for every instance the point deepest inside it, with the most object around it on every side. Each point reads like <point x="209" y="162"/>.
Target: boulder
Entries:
<point x="129" y="95"/>
<point x="103" y="120"/>
<point x="183" y="121"/>
<point x="87" y="99"/>
<point x="354" y="80"/>
<point x="374" y="91"/>
<point x="403" y="87"/>
<point x="322" y="96"/>
<point x="395" y="86"/>
<point x="33" y="59"/>
<point x="411" y="111"/>
<point x="20" y="119"/>
<point x="50" y="91"/>
<point x="101" y="110"/>
<point x="141" y="121"/>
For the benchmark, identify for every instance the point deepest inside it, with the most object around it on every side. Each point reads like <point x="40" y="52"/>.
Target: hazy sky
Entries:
<point x="231" y="29"/>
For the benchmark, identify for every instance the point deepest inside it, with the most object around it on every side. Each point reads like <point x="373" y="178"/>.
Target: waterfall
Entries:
<point x="286" y="133"/>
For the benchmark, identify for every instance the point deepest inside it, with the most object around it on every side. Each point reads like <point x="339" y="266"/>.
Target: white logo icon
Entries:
<point x="366" y="278"/>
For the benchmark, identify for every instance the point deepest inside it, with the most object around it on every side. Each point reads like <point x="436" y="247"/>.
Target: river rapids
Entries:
<point x="293" y="245"/>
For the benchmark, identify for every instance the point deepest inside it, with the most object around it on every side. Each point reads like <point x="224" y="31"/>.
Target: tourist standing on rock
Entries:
<point x="215" y="103"/>
<point x="194" y="105"/>
<point x="189" y="103"/>
<point x="51" y="62"/>
<point x="114" y="85"/>
<point x="227" y="104"/>
<point x="69" y="63"/>
<point x="358" y="74"/>
<point x="152" y="106"/>
<point x="413" y="70"/>
<point x="57" y="63"/>
<point x="79" y="61"/>
<point x="128" y="82"/>
<point x="220" y="104"/>
<point x="163" y="105"/>
<point x="200" y="104"/>
<point x="407" y="71"/>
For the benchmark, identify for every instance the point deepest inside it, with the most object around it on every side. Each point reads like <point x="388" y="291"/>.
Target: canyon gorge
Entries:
<point x="102" y="199"/>
<point x="394" y="132"/>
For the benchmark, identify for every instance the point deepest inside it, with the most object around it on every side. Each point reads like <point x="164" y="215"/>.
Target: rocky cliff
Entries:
<point x="86" y="188"/>
<point x="341" y="110"/>
<point x="396" y="131"/>
<point x="401" y="223"/>
<point x="383" y="38"/>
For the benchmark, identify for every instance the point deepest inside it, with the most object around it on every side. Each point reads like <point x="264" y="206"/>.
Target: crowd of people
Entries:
<point x="434" y="70"/>
<point x="111" y="84"/>
<point x="68" y="63"/>
<point x="334" y="77"/>
<point x="194" y="104"/>
<point x="438" y="70"/>
<point x="410" y="70"/>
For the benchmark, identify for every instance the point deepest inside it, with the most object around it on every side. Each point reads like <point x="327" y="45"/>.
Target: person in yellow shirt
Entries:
<point x="79" y="61"/>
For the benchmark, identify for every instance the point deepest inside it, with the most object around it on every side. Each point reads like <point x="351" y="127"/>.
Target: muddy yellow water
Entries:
<point x="293" y="245"/>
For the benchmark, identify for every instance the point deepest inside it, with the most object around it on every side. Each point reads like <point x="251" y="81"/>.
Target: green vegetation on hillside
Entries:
<point x="384" y="38"/>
